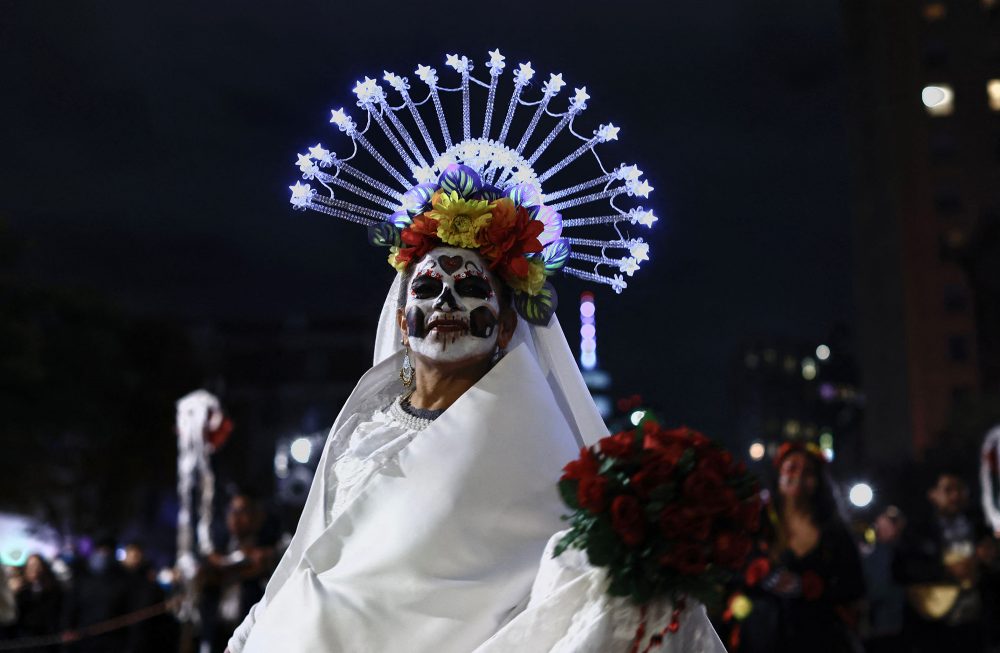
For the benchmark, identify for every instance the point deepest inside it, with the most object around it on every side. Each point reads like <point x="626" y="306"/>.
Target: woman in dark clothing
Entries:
<point x="39" y="601"/>
<point x="805" y="582"/>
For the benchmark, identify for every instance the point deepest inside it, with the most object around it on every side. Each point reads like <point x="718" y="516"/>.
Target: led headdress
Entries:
<point x="479" y="192"/>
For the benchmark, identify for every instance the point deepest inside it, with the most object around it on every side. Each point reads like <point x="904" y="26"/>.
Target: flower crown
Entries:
<point x="479" y="192"/>
<point x="513" y="231"/>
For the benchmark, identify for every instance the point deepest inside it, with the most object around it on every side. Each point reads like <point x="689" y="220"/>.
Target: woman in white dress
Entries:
<point x="435" y="497"/>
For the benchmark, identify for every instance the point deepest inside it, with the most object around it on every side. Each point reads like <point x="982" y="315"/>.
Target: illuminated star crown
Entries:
<point x="458" y="186"/>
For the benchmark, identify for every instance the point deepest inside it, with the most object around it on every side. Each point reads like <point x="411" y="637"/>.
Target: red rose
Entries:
<point x="677" y="521"/>
<point x="757" y="571"/>
<point x="627" y="520"/>
<point x="585" y="465"/>
<point x="731" y="549"/>
<point x="707" y="489"/>
<point x="656" y="470"/>
<point x="812" y="586"/>
<point x="686" y="557"/>
<point x="590" y="493"/>
<point x="665" y="443"/>
<point x="618" y="445"/>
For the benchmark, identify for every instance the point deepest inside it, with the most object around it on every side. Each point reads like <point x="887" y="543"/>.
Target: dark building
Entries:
<point x="783" y="390"/>
<point x="279" y="381"/>
<point x="925" y="105"/>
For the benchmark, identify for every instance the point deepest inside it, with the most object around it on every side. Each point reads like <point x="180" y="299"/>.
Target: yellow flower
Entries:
<point x="741" y="607"/>
<point x="394" y="262"/>
<point x="532" y="282"/>
<point x="459" y="219"/>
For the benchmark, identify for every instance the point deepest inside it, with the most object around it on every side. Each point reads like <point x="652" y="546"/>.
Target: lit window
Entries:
<point x="934" y="11"/>
<point x="993" y="91"/>
<point x="939" y="99"/>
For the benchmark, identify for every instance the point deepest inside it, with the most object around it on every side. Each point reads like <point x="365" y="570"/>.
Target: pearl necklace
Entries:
<point x="416" y="419"/>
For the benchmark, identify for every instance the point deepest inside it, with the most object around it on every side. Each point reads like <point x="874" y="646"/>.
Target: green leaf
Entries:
<point x="537" y="309"/>
<point x="567" y="490"/>
<point x="384" y="234"/>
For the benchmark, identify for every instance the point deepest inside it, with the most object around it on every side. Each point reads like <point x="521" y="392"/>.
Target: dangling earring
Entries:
<point x="497" y="355"/>
<point x="406" y="374"/>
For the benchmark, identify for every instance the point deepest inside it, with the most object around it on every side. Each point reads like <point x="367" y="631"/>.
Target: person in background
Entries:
<point x="940" y="564"/>
<point x="885" y="596"/>
<point x="100" y="592"/>
<point x="8" y="607"/>
<point x="805" y="581"/>
<point x="234" y="578"/>
<point x="39" y="601"/>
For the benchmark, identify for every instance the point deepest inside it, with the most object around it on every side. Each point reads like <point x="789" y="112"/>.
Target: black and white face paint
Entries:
<point x="452" y="310"/>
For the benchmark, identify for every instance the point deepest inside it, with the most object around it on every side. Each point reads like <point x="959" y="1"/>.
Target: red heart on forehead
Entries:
<point x="450" y="263"/>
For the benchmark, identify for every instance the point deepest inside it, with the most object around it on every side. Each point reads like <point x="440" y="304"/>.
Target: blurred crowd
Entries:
<point x="112" y="599"/>
<point x="813" y="581"/>
<point x="816" y="583"/>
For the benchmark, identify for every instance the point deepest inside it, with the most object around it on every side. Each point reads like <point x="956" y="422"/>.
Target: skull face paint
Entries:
<point x="452" y="310"/>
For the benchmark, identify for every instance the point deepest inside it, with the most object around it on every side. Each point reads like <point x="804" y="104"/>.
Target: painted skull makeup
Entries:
<point x="452" y="310"/>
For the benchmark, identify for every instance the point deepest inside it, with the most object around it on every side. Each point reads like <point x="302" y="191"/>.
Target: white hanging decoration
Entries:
<point x="201" y="428"/>
<point x="989" y="474"/>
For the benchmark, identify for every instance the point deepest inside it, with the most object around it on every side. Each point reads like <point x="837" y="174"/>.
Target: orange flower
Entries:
<point x="508" y="237"/>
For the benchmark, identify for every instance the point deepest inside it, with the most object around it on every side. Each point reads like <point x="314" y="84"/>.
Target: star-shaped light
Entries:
<point x="342" y="120"/>
<point x="629" y="173"/>
<point x="554" y="85"/>
<point x="628" y="266"/>
<point x="427" y="75"/>
<point x="306" y="166"/>
<point x="395" y="81"/>
<point x="579" y="101"/>
<point x="497" y="63"/>
<point x="618" y="283"/>
<point x="321" y="154"/>
<point x="642" y="189"/>
<point x="367" y="90"/>
<point x="460" y="64"/>
<point x="607" y="133"/>
<point x="301" y="194"/>
<point x="644" y="217"/>
<point x="639" y="250"/>
<point x="524" y="73"/>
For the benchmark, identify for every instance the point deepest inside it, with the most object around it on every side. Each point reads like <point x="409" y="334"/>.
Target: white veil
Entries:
<point x="548" y="346"/>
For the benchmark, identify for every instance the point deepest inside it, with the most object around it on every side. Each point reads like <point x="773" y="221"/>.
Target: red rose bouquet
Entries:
<point x="667" y="512"/>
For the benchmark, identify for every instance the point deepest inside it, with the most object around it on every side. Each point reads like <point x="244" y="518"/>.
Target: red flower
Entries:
<point x="677" y="521"/>
<point x="707" y="489"/>
<point x="627" y="520"/>
<point x="420" y="236"/>
<point x="812" y="585"/>
<point x="731" y="549"/>
<point x="656" y="470"/>
<point x="686" y="557"/>
<point x="757" y="571"/>
<point x="591" y="493"/>
<point x="584" y="466"/>
<point x="666" y="443"/>
<point x="618" y="445"/>
<point x="510" y="235"/>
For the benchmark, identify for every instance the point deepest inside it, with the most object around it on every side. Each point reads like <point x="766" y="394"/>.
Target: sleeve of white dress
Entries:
<point x="312" y="514"/>
<point x="570" y="612"/>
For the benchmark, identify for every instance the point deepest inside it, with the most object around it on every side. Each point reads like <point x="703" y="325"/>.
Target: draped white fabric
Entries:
<point x="570" y="612"/>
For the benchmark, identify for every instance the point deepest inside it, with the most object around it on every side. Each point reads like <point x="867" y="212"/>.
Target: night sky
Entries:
<point x="147" y="149"/>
